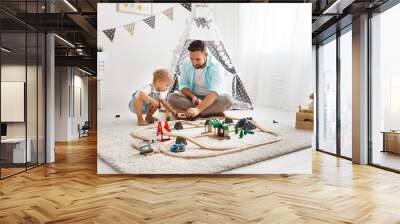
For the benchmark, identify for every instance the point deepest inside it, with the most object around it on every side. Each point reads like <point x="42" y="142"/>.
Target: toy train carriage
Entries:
<point x="177" y="148"/>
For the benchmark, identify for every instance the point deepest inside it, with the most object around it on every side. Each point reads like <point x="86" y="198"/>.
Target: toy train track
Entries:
<point x="163" y="147"/>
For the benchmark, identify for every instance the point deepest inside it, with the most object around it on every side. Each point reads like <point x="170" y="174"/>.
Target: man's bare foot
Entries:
<point x="142" y="122"/>
<point x="151" y="119"/>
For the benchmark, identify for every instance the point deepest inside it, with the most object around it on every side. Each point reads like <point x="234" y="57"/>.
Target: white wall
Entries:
<point x="66" y="121"/>
<point x="14" y="72"/>
<point x="33" y="127"/>
<point x="80" y="82"/>
<point x="132" y="59"/>
<point x="62" y="81"/>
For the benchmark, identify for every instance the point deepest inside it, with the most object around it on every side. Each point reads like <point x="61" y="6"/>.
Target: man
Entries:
<point x="201" y="84"/>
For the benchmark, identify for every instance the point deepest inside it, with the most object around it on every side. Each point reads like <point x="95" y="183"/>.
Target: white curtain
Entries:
<point x="274" y="53"/>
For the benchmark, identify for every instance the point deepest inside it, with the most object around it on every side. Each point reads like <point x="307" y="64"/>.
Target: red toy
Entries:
<point x="166" y="127"/>
<point x="160" y="131"/>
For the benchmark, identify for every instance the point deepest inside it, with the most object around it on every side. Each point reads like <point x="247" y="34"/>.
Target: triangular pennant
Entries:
<point x="151" y="21"/>
<point x="110" y="33"/>
<point x="130" y="28"/>
<point x="187" y="6"/>
<point x="169" y="13"/>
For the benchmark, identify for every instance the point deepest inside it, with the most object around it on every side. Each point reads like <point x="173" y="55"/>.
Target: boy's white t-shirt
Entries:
<point x="150" y="90"/>
<point x="199" y="82"/>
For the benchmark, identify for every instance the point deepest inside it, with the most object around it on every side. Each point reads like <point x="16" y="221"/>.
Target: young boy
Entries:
<point x="147" y="99"/>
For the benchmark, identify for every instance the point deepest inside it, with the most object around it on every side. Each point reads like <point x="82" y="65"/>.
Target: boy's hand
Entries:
<point x="196" y="101"/>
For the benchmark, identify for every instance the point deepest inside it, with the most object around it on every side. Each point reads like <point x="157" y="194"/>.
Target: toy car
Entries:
<point x="178" y="126"/>
<point x="180" y="140"/>
<point x="181" y="115"/>
<point x="146" y="149"/>
<point x="177" y="148"/>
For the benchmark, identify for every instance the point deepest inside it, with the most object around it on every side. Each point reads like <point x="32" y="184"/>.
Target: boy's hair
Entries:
<point x="197" y="45"/>
<point x="162" y="75"/>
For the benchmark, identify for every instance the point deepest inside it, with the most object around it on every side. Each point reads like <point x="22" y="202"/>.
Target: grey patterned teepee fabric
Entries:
<point x="239" y="92"/>
<point x="184" y="53"/>
<point x="202" y="22"/>
<point x="217" y="49"/>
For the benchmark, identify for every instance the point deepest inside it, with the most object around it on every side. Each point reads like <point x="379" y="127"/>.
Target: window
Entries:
<point x="327" y="96"/>
<point x="385" y="89"/>
<point x="395" y="102"/>
<point x="346" y="93"/>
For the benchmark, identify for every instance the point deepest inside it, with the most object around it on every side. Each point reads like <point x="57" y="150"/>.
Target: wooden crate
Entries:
<point x="305" y="120"/>
<point x="301" y="116"/>
<point x="392" y="142"/>
<point x="305" y="125"/>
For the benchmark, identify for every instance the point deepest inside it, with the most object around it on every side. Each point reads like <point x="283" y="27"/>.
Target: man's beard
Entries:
<point x="200" y="66"/>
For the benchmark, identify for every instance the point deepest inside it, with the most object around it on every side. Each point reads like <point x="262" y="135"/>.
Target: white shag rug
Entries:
<point x="115" y="148"/>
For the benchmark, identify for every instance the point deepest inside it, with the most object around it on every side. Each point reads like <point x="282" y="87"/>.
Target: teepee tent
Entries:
<point x="201" y="26"/>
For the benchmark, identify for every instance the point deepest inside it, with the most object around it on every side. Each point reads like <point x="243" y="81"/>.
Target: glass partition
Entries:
<point x="385" y="89"/>
<point x="346" y="93"/>
<point x="22" y="101"/>
<point x="327" y="96"/>
<point x="13" y="95"/>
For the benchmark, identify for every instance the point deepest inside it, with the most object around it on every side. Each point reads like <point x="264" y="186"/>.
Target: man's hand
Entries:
<point x="196" y="101"/>
<point x="192" y="112"/>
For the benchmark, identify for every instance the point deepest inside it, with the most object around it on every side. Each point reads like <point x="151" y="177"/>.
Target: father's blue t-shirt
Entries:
<point x="215" y="80"/>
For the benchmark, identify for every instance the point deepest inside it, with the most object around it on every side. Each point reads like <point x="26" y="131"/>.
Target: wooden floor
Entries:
<point x="10" y="171"/>
<point x="70" y="191"/>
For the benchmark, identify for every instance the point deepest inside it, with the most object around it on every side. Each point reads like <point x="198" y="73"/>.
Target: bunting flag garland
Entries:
<point x="151" y="21"/>
<point x="110" y="33"/>
<point x="187" y="6"/>
<point x="169" y="13"/>
<point x="130" y="28"/>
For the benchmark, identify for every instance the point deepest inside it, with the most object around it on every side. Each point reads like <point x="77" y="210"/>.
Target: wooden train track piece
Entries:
<point x="163" y="147"/>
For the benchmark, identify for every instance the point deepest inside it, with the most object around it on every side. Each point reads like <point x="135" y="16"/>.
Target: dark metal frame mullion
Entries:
<point x="69" y="93"/>
<point x="37" y="91"/>
<point x="45" y="89"/>
<point x="26" y="87"/>
<point x="73" y="92"/>
<point x="333" y="154"/>
<point x="338" y="98"/>
<point x="385" y="168"/>
<point x="316" y="97"/>
<point x="369" y="90"/>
